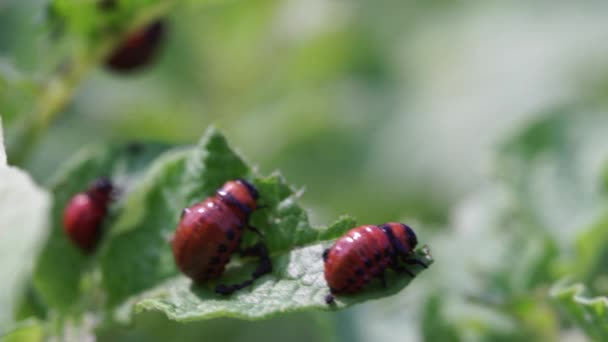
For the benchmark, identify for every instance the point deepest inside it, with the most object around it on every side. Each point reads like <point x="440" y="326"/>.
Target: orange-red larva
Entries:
<point x="365" y="252"/>
<point x="209" y="233"/>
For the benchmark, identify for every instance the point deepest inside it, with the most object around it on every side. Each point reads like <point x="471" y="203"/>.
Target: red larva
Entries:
<point x="138" y="49"/>
<point x="84" y="213"/>
<point x="365" y="252"/>
<point x="209" y="233"/>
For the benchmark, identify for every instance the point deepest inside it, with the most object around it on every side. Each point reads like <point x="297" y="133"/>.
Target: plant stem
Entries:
<point x="62" y="86"/>
<point x="52" y="101"/>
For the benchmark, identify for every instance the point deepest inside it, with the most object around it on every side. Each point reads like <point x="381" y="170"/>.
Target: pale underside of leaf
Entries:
<point x="24" y="208"/>
<point x="2" y="151"/>
<point x="297" y="284"/>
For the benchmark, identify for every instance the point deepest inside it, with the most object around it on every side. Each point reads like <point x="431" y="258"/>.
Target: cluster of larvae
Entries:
<point x="210" y="232"/>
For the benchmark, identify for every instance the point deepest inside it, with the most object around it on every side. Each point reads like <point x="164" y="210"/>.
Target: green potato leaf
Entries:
<point x="30" y="330"/>
<point x="133" y="267"/>
<point x="155" y="327"/>
<point x="137" y="263"/>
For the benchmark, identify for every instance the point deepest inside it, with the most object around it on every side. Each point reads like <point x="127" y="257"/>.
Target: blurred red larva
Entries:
<point x="139" y="48"/>
<point x="84" y="213"/>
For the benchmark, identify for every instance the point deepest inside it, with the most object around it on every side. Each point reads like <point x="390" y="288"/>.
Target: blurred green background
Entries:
<point x="387" y="110"/>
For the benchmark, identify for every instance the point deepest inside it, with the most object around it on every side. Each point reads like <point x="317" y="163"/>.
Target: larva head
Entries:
<point x="241" y="194"/>
<point x="101" y="189"/>
<point x="404" y="235"/>
<point x="250" y="188"/>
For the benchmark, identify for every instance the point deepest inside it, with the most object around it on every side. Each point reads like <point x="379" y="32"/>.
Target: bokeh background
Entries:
<point x="386" y="110"/>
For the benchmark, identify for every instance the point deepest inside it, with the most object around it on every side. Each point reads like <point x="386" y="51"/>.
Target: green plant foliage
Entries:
<point x="134" y="262"/>
<point x="92" y="21"/>
<point x="547" y="192"/>
<point x="29" y="304"/>
<point x="30" y="330"/>
<point x="434" y="325"/>
<point x="591" y="253"/>
<point x="154" y="326"/>
<point x="554" y="167"/>
<point x="589" y="314"/>
<point x="138" y="256"/>
<point x="347" y="98"/>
